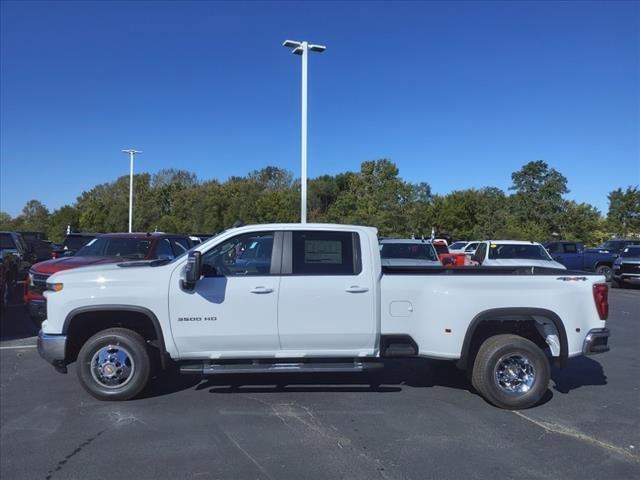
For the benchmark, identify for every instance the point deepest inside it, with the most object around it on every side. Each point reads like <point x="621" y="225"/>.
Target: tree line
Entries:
<point x="172" y="200"/>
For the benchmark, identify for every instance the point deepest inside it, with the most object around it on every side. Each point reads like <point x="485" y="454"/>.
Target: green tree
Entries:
<point x="60" y="219"/>
<point x="581" y="222"/>
<point x="5" y="221"/>
<point x="472" y="214"/>
<point x="376" y="196"/>
<point x="538" y="200"/>
<point x="105" y="208"/>
<point x="34" y="217"/>
<point x="624" y="211"/>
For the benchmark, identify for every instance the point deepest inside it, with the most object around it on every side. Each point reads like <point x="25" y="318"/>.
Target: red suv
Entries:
<point x="107" y="248"/>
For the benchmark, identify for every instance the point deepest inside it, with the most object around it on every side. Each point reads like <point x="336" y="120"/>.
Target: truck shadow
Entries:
<point x="579" y="372"/>
<point x="396" y="375"/>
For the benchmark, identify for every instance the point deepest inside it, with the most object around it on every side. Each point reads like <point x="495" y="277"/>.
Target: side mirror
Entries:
<point x="193" y="270"/>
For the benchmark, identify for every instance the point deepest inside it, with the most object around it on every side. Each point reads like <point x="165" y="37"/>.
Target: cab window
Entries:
<point x="326" y="253"/>
<point x="243" y="255"/>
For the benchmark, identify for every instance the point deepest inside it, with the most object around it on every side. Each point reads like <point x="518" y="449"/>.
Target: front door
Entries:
<point x="326" y="304"/>
<point x="232" y="311"/>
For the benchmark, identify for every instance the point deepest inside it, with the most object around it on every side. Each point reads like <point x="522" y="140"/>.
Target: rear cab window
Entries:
<point x="325" y="253"/>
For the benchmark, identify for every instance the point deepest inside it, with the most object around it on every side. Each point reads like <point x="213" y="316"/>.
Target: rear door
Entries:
<point x="327" y="294"/>
<point x="572" y="256"/>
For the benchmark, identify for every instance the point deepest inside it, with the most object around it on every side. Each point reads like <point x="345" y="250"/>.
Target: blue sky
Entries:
<point x="458" y="94"/>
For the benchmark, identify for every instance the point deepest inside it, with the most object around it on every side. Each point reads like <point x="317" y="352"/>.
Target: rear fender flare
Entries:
<point x="514" y="314"/>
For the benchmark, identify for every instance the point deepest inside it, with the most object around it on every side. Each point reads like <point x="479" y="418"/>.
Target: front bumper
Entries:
<point x="632" y="278"/>
<point x="596" y="341"/>
<point x="52" y="348"/>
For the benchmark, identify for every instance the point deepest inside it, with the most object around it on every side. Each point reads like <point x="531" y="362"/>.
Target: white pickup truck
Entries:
<point x="316" y="298"/>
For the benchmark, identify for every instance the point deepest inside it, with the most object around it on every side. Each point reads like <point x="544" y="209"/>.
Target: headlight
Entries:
<point x="54" y="287"/>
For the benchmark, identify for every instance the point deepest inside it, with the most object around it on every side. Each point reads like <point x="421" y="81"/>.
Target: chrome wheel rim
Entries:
<point x="112" y="366"/>
<point x="514" y="374"/>
<point x="607" y="272"/>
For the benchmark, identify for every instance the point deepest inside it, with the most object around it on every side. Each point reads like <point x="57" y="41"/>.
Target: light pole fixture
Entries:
<point x="303" y="48"/>
<point x="132" y="152"/>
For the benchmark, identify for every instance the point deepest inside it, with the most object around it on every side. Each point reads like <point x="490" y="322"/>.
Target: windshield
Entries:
<point x="441" y="248"/>
<point x="419" y="251"/>
<point x="74" y="242"/>
<point x="6" y="241"/>
<point x="613" y="245"/>
<point x="527" y="251"/>
<point x="135" y="248"/>
<point x="457" y="245"/>
<point x="631" y="252"/>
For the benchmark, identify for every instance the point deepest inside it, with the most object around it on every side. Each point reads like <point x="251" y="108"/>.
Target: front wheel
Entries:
<point x="511" y="372"/>
<point x="114" y="364"/>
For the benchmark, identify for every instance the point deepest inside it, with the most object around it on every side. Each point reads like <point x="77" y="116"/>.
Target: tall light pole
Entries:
<point x="303" y="48"/>
<point x="131" y="153"/>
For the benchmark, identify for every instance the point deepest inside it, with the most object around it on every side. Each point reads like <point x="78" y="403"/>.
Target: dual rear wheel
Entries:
<point x="511" y="372"/>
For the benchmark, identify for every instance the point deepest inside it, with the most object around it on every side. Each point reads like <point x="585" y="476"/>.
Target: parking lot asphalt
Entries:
<point x="416" y="419"/>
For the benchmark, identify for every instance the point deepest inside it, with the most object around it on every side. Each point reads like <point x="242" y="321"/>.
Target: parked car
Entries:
<point x="38" y="245"/>
<point x="16" y="253"/>
<point x="501" y="253"/>
<point x="442" y="249"/>
<point x="614" y="246"/>
<point x="626" y="268"/>
<point x="5" y="282"/>
<point x="466" y="248"/>
<point x="104" y="249"/>
<point x="72" y="243"/>
<point x="574" y="256"/>
<point x="408" y="252"/>
<point x="327" y="304"/>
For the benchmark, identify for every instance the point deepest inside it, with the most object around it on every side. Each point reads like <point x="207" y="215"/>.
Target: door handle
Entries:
<point x="356" y="289"/>
<point x="261" y="290"/>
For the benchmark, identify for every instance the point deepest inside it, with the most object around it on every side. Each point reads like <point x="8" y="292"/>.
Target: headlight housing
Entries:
<point x="54" y="287"/>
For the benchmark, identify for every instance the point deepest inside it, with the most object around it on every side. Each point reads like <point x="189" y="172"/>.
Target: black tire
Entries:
<point x="605" y="270"/>
<point x="129" y="354"/>
<point x="498" y="351"/>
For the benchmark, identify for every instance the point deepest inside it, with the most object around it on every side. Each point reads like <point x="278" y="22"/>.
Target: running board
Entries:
<point x="206" y="368"/>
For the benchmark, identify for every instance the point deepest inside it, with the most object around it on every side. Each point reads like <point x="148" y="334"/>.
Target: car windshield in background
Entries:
<point x="457" y="245"/>
<point x="419" y="251"/>
<point x="74" y="243"/>
<point x="6" y="241"/>
<point x="510" y="251"/>
<point x="631" y="252"/>
<point x="613" y="245"/>
<point x="441" y="248"/>
<point x="134" y="248"/>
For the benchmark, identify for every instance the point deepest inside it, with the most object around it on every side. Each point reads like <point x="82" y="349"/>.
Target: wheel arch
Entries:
<point x="148" y="323"/>
<point x="511" y="315"/>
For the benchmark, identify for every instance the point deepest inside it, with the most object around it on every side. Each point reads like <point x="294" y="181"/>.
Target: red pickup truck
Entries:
<point x="107" y="248"/>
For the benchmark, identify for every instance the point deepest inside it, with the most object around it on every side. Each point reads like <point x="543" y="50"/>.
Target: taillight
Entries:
<point x="601" y="297"/>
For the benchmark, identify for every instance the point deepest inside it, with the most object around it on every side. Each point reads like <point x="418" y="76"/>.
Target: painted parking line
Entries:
<point x="15" y="347"/>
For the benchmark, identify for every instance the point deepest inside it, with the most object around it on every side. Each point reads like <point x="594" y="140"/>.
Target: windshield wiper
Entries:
<point x="146" y="263"/>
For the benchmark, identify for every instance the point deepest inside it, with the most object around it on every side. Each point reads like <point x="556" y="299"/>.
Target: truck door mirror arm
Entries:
<point x="193" y="270"/>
